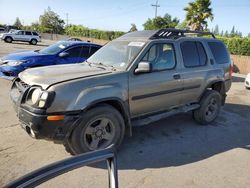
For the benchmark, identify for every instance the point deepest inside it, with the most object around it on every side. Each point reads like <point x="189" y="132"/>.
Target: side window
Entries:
<point x="20" y="33"/>
<point x="34" y="33"/>
<point x="193" y="54"/>
<point x="93" y="50"/>
<point x="28" y="33"/>
<point x="219" y="52"/>
<point x="74" y="52"/>
<point x="161" y="56"/>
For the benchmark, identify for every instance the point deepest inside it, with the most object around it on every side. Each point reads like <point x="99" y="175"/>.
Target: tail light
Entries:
<point x="230" y="71"/>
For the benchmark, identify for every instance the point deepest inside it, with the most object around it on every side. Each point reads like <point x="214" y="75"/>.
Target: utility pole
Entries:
<point x="67" y="19"/>
<point x="156" y="5"/>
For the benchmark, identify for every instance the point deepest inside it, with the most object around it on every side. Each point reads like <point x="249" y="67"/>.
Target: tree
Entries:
<point x="197" y="13"/>
<point x="232" y="33"/>
<point x="216" y="30"/>
<point x="182" y="25"/>
<point x="226" y="34"/>
<point x="248" y="35"/>
<point x="51" y="22"/>
<point x="161" y="22"/>
<point x="222" y="33"/>
<point x="133" y="28"/>
<point x="17" y="23"/>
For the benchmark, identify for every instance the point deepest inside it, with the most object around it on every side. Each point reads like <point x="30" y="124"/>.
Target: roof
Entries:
<point x="71" y="43"/>
<point x="168" y="33"/>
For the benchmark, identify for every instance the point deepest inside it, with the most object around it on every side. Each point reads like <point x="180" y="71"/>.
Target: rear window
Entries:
<point x="193" y="54"/>
<point x="219" y="52"/>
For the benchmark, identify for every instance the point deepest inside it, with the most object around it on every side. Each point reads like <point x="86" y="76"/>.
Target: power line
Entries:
<point x="156" y="5"/>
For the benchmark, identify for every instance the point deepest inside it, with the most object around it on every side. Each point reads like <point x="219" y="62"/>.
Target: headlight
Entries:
<point x="36" y="95"/>
<point x="39" y="98"/>
<point x="15" y="63"/>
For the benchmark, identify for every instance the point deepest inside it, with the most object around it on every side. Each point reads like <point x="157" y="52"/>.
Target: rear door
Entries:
<point x="194" y="72"/>
<point x="160" y="89"/>
<point x="27" y="36"/>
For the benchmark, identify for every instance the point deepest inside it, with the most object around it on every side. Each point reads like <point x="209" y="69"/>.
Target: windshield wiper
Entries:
<point x="105" y="65"/>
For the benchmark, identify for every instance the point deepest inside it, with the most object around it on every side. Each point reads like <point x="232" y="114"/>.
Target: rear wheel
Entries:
<point x="8" y="39"/>
<point x="210" y="105"/>
<point x="33" y="41"/>
<point x="100" y="127"/>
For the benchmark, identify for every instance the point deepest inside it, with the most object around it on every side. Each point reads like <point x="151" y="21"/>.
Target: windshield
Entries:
<point x="55" y="48"/>
<point x="117" y="53"/>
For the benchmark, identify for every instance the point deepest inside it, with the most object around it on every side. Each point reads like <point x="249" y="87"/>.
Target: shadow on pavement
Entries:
<point x="26" y="43"/>
<point x="178" y="140"/>
<point x="238" y="79"/>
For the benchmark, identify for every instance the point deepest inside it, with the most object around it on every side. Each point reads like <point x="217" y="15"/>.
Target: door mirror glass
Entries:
<point x="143" y="67"/>
<point x="63" y="54"/>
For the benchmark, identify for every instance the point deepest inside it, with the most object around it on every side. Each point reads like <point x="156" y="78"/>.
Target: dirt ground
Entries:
<point x="175" y="152"/>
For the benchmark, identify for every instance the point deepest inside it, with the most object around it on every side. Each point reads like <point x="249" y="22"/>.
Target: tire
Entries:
<point x="8" y="39"/>
<point x="100" y="127"/>
<point x="210" y="105"/>
<point x="33" y="41"/>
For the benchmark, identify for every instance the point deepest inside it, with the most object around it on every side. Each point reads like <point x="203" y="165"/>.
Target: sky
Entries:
<point x="119" y="14"/>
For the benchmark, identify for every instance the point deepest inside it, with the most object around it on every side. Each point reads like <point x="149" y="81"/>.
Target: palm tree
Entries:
<point x="197" y="14"/>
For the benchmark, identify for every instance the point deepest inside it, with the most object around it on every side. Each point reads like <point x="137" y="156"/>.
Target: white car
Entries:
<point x="21" y="35"/>
<point x="247" y="81"/>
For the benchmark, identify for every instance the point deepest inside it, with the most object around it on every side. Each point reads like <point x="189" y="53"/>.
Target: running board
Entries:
<point x="154" y="118"/>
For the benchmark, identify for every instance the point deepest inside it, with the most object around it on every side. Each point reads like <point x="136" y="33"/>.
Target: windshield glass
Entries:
<point x="117" y="53"/>
<point x="55" y="48"/>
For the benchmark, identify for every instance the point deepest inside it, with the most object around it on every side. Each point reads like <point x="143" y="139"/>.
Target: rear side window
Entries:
<point x="93" y="50"/>
<point x="75" y="52"/>
<point x="85" y="52"/>
<point x="28" y="33"/>
<point x="193" y="54"/>
<point x="219" y="52"/>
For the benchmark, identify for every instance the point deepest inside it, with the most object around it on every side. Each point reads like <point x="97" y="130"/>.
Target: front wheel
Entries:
<point x="8" y="39"/>
<point x="100" y="127"/>
<point x="210" y="105"/>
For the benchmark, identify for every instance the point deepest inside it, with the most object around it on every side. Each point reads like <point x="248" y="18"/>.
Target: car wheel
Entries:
<point x="33" y="41"/>
<point x="210" y="105"/>
<point x="8" y="39"/>
<point x="100" y="127"/>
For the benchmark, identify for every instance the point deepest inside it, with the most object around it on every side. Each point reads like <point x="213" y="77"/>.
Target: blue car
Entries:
<point x="63" y="52"/>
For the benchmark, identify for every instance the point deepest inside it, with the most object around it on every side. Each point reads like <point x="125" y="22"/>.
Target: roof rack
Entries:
<point x="177" y="33"/>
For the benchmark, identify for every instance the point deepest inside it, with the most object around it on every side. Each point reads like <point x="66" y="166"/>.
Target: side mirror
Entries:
<point x="63" y="54"/>
<point x="143" y="67"/>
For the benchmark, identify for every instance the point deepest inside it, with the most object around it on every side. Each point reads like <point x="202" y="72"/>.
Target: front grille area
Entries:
<point x="18" y="89"/>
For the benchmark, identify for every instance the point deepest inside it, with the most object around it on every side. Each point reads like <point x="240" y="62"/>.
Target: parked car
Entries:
<point x="31" y="37"/>
<point x="247" y="81"/>
<point x="63" y="52"/>
<point x="73" y="39"/>
<point x="134" y="80"/>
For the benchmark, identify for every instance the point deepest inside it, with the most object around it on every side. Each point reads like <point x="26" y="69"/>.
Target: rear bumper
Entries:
<point x="37" y="125"/>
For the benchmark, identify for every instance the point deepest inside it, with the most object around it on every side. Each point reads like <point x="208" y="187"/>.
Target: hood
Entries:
<point x="22" y="55"/>
<point x="46" y="76"/>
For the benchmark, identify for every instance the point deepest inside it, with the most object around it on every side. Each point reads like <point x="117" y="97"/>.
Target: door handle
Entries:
<point x="177" y="76"/>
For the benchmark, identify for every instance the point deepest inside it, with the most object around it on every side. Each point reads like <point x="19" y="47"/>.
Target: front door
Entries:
<point x="160" y="89"/>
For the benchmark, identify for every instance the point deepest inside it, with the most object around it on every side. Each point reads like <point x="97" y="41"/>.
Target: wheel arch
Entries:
<point x="217" y="85"/>
<point x="116" y="103"/>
